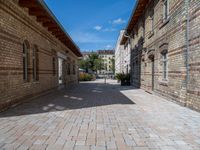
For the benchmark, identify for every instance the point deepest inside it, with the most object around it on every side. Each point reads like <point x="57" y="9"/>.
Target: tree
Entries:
<point x="93" y="62"/>
<point x="84" y="64"/>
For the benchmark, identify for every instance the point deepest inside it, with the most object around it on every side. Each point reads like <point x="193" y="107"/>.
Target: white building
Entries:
<point x="122" y="56"/>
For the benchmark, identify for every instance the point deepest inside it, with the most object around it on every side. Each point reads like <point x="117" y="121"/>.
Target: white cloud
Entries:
<point x="98" y="28"/>
<point x="118" y="21"/>
<point x="108" y="46"/>
<point x="109" y="30"/>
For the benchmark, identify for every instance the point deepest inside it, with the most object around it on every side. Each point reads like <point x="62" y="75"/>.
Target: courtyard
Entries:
<point x="99" y="116"/>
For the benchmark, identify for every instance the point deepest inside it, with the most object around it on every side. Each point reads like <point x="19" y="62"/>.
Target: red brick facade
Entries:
<point x="165" y="56"/>
<point x="17" y="26"/>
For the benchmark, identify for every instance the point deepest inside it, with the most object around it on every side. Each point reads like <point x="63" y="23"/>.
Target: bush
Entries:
<point x="123" y="77"/>
<point x="85" y="77"/>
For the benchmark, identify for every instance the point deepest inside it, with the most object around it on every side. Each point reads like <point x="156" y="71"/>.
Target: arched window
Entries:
<point x="25" y="60"/>
<point x="35" y="61"/>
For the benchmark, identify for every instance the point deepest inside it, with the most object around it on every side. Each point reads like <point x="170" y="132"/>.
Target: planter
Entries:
<point x="125" y="83"/>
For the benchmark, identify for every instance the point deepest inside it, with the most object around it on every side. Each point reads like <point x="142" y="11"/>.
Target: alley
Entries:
<point x="94" y="115"/>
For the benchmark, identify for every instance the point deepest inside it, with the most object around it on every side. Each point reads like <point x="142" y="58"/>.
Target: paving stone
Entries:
<point x="120" y="118"/>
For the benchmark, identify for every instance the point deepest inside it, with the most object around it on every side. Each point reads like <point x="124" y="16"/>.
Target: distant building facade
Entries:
<point x="36" y="55"/>
<point x="122" y="55"/>
<point x="119" y="50"/>
<point x="108" y="57"/>
<point x="165" y="49"/>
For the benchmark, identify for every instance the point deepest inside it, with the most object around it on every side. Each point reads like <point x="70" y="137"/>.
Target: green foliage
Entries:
<point x="93" y="62"/>
<point x="123" y="77"/>
<point x="85" y="77"/>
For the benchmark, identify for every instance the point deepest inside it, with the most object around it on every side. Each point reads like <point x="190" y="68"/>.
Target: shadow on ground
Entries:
<point x="84" y="95"/>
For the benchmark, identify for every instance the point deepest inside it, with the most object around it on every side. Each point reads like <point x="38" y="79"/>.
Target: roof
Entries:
<point x="44" y="15"/>
<point x="137" y="12"/>
<point x="105" y="52"/>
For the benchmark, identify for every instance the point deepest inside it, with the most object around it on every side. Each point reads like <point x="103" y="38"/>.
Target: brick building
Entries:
<point x="165" y="49"/>
<point x="36" y="54"/>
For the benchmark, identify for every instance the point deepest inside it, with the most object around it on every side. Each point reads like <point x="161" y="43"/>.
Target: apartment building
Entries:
<point x="108" y="57"/>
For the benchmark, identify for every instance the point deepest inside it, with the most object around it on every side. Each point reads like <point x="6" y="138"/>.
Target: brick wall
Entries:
<point x="170" y="35"/>
<point x="16" y="26"/>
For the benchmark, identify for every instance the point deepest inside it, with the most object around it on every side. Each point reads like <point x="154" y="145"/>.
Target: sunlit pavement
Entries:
<point x="95" y="115"/>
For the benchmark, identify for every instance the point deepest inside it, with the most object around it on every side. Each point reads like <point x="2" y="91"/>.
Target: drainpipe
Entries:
<point x="187" y="45"/>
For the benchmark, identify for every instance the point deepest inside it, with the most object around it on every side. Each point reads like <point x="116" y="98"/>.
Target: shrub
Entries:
<point x="123" y="77"/>
<point x="85" y="77"/>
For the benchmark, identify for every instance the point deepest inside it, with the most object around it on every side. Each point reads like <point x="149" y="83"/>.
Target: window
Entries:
<point x="165" y="9"/>
<point x="54" y="65"/>
<point x="152" y="21"/>
<point x="144" y="29"/>
<point x="74" y="68"/>
<point x="25" y="61"/>
<point x="164" y="59"/>
<point x="35" y="64"/>
<point x="68" y="68"/>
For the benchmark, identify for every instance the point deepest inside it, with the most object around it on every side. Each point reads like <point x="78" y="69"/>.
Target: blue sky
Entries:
<point x="92" y="24"/>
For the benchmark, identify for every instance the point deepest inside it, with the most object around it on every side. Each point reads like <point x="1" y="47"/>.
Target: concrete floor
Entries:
<point x="95" y="115"/>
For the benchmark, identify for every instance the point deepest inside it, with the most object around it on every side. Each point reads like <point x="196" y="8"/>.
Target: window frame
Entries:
<point x="165" y="9"/>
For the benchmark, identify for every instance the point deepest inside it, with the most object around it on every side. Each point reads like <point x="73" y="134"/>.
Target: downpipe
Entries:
<point x="187" y="47"/>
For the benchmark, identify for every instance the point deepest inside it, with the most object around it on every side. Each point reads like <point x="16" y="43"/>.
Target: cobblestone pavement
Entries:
<point x="98" y="116"/>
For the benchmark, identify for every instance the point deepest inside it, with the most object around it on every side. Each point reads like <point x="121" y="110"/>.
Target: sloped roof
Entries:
<point x="44" y="15"/>
<point x="137" y="12"/>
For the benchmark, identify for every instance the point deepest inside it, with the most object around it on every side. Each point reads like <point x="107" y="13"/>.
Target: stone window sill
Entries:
<point x="164" y="82"/>
<point x="164" y="22"/>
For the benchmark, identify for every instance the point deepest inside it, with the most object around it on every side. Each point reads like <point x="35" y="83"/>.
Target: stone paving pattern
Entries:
<point x="95" y="116"/>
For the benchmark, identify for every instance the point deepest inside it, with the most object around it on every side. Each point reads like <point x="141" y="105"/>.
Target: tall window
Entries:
<point x="165" y="9"/>
<point x="144" y="29"/>
<point x="25" y="61"/>
<point x="164" y="59"/>
<point x="35" y="64"/>
<point x="152" y="21"/>
<point x="68" y="68"/>
<point x="74" y="69"/>
<point x="54" y="65"/>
